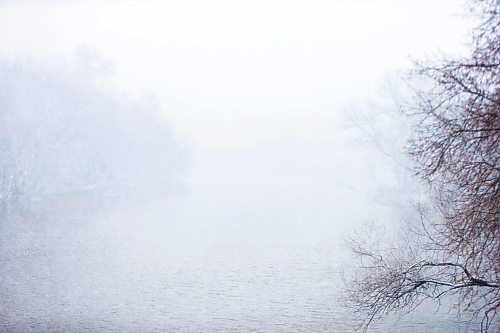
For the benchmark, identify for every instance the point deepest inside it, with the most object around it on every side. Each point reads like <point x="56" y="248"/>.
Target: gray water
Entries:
<point x="168" y="267"/>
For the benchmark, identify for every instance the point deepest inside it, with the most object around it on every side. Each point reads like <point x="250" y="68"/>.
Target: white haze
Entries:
<point x="278" y="142"/>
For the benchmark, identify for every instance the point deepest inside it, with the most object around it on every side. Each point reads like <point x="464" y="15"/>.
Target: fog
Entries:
<point x="195" y="166"/>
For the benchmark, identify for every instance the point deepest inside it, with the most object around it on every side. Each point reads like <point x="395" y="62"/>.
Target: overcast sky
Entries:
<point x="258" y="91"/>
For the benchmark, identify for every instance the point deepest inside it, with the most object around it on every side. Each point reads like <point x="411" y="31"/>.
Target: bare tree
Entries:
<point x="456" y="146"/>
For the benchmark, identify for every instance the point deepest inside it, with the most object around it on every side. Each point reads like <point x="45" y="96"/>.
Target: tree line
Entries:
<point x="63" y="131"/>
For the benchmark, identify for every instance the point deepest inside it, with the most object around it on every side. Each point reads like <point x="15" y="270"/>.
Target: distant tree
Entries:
<point x="62" y="131"/>
<point x="455" y="246"/>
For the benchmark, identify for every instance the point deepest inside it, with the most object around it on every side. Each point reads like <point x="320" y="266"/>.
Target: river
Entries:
<point x="166" y="267"/>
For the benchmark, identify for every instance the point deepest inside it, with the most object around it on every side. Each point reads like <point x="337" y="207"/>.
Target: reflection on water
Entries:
<point x="170" y="268"/>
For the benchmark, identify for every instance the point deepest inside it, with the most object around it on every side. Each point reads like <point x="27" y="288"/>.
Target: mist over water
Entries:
<point x="166" y="266"/>
<point x="228" y="252"/>
<point x="196" y="171"/>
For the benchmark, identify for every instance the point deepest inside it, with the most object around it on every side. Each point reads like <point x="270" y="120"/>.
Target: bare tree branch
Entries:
<point x="456" y="146"/>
